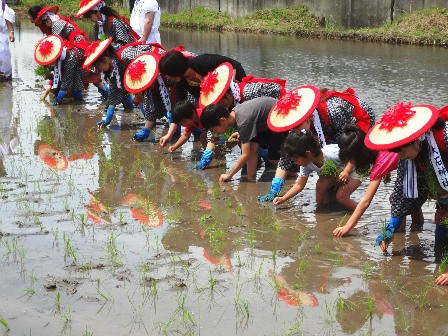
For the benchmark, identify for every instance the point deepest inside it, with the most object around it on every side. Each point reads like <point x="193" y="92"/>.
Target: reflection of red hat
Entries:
<point x="297" y="298"/>
<point x="293" y="108"/>
<point x="223" y="261"/>
<point x="53" y="9"/>
<point x="52" y="157"/>
<point x="96" y="210"/>
<point x="144" y="211"/>
<point x="400" y="125"/>
<point x="215" y="84"/>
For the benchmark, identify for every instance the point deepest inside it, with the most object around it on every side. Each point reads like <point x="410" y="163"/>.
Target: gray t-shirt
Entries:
<point x="251" y="117"/>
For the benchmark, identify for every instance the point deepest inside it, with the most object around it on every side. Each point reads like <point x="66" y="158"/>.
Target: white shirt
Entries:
<point x="9" y="15"/>
<point x="331" y="152"/>
<point x="137" y="20"/>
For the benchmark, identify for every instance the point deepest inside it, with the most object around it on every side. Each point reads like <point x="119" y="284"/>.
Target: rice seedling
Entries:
<point x="57" y="302"/>
<point x="367" y="269"/>
<point x="303" y="264"/>
<point x="66" y="315"/>
<point x="294" y="328"/>
<point x="330" y="169"/>
<point x="340" y="304"/>
<point x="443" y="262"/>
<point x="318" y="249"/>
<point x="251" y="238"/>
<point x="370" y="306"/>
<point x="215" y="192"/>
<point x="303" y="236"/>
<point x="211" y="280"/>
<point x="70" y="251"/>
<point x="112" y="250"/>
<point x="229" y="203"/>
<point x="87" y="332"/>
<point x="241" y="305"/>
<point x="341" y="221"/>
<point x="4" y="323"/>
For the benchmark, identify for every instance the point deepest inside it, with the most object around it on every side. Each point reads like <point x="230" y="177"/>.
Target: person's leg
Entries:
<point x="253" y="161"/>
<point x="345" y="191"/>
<point x="323" y="185"/>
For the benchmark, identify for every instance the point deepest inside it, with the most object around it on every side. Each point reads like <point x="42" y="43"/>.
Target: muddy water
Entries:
<point x="111" y="237"/>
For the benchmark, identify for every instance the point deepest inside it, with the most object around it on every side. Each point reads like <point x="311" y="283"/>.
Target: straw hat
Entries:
<point x="215" y="84"/>
<point x="94" y="51"/>
<point x="53" y="9"/>
<point x="293" y="108"/>
<point x="48" y="49"/>
<point x="141" y="72"/>
<point x="52" y="157"/>
<point x="85" y="6"/>
<point x="400" y="125"/>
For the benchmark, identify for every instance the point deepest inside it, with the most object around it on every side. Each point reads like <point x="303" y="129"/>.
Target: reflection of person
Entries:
<point x="145" y="20"/>
<point x="418" y="135"/>
<point x="250" y="121"/>
<point x="305" y="150"/>
<point x="325" y="112"/>
<point x="352" y="148"/>
<point x="7" y="19"/>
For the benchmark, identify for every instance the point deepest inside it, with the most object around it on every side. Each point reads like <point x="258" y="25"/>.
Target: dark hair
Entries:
<point x="183" y="109"/>
<point x="352" y="148"/>
<point x="212" y="114"/>
<point x="33" y="11"/>
<point x="107" y="11"/>
<point x="298" y="143"/>
<point x="109" y="52"/>
<point x="173" y="63"/>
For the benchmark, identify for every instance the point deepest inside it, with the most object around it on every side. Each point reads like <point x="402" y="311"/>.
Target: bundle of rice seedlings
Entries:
<point x="330" y="169"/>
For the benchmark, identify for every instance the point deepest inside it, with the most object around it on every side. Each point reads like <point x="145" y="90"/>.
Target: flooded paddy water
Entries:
<point x="110" y="237"/>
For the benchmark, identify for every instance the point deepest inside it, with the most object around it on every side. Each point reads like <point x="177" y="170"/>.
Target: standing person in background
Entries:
<point x="131" y="6"/>
<point x="145" y="20"/>
<point x="7" y="19"/>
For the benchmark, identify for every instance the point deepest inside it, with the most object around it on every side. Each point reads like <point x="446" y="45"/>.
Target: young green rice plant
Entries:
<point x="294" y="328"/>
<point x="434" y="188"/>
<point x="66" y="315"/>
<point x="57" y="302"/>
<point x="303" y="264"/>
<point x="70" y="251"/>
<point x="341" y="221"/>
<point x="318" y="249"/>
<point x="239" y="211"/>
<point x="330" y="169"/>
<point x="229" y="203"/>
<point x="211" y="280"/>
<point x="87" y="332"/>
<point x="251" y="238"/>
<point x="241" y="304"/>
<point x="370" y="306"/>
<point x="443" y="262"/>
<point x="4" y="323"/>
<point x="340" y="304"/>
<point x="303" y="236"/>
<point x="367" y="269"/>
<point x="112" y="249"/>
<point x="42" y="71"/>
<point x="215" y="192"/>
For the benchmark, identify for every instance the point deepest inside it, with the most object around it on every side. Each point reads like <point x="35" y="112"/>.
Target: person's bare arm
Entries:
<point x="10" y="26"/>
<point x="147" y="25"/>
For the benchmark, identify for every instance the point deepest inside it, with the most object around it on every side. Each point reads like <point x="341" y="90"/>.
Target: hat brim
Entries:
<point x="84" y="9"/>
<point x="53" y="9"/>
<point x="102" y="46"/>
<point x="54" y="55"/>
<point x="225" y="75"/>
<point x="382" y="139"/>
<point x="278" y="121"/>
<point x="151" y="61"/>
<point x="52" y="157"/>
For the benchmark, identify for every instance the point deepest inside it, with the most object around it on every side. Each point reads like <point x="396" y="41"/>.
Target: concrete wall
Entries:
<point x="346" y="13"/>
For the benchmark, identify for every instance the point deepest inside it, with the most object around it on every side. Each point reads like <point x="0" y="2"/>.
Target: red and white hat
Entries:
<point x="86" y="5"/>
<point x="215" y="84"/>
<point x="95" y="50"/>
<point x="293" y="108"/>
<point x="48" y="49"/>
<point x="43" y="11"/>
<point x="52" y="157"/>
<point x="141" y="72"/>
<point x="401" y="125"/>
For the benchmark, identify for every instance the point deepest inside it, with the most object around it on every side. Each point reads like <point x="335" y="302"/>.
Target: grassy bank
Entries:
<point x="425" y="27"/>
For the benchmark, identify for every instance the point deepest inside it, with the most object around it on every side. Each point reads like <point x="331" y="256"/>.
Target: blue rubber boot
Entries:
<point x="142" y="135"/>
<point x="263" y="153"/>
<point x="77" y="95"/>
<point x="206" y="159"/>
<point x="109" y="115"/>
<point x="59" y="97"/>
<point x="276" y="187"/>
<point x="104" y="92"/>
<point x="129" y="102"/>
